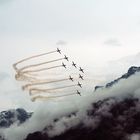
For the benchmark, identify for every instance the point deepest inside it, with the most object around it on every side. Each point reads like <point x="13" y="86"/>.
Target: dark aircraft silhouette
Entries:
<point x="70" y="78"/>
<point x="80" y="76"/>
<point x="58" y="50"/>
<point x="66" y="58"/>
<point x="79" y="93"/>
<point x="80" y="85"/>
<point x="82" y="70"/>
<point x="63" y="65"/>
<point x="73" y="64"/>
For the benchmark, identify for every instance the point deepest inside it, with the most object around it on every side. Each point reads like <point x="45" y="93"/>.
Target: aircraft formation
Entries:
<point x="45" y="89"/>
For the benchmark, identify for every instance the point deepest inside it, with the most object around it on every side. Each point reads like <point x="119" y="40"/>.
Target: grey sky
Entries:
<point x="32" y="26"/>
<point x="83" y="24"/>
<point x="112" y="42"/>
<point x="69" y="18"/>
<point x="29" y="27"/>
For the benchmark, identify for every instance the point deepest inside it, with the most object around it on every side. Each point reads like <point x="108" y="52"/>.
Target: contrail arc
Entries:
<point x="39" y="64"/>
<point x="35" y="56"/>
<point x="50" y="97"/>
<point x="42" y="83"/>
<point x="43" y="69"/>
<point x="33" y="71"/>
<point x="37" y="90"/>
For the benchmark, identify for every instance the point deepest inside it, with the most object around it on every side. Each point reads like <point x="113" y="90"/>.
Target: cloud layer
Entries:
<point x="43" y="118"/>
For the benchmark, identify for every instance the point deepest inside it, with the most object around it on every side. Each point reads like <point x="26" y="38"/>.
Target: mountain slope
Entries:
<point x="7" y="118"/>
<point x="118" y="122"/>
<point x="112" y="118"/>
<point x="132" y="70"/>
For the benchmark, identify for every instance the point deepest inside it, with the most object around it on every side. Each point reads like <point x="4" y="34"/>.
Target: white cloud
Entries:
<point x="112" y="42"/>
<point x="30" y="27"/>
<point x="54" y="110"/>
<point x="135" y="137"/>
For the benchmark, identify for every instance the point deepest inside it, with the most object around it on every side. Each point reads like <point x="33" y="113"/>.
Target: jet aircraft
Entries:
<point x="78" y="92"/>
<point x="73" y="64"/>
<point x="58" y="50"/>
<point x="82" y="70"/>
<point x="63" y="65"/>
<point x="80" y="85"/>
<point x="81" y="77"/>
<point x="66" y="58"/>
<point x="70" y="78"/>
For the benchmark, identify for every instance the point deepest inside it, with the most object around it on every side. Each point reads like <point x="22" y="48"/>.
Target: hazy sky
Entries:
<point x="106" y="29"/>
<point x="92" y="32"/>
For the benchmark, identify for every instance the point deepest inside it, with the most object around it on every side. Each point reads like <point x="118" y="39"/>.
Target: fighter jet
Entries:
<point x="63" y="65"/>
<point x="80" y="85"/>
<point x="82" y="70"/>
<point x="78" y="92"/>
<point x="70" y="78"/>
<point x="80" y="76"/>
<point x="58" y="50"/>
<point x="73" y="64"/>
<point x="66" y="58"/>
